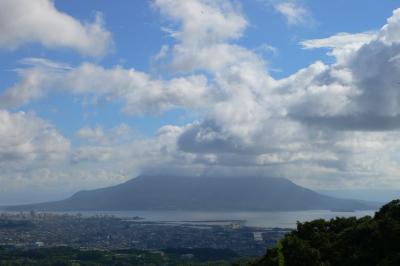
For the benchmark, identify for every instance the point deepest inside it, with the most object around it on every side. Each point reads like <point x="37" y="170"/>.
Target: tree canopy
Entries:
<point x="342" y="241"/>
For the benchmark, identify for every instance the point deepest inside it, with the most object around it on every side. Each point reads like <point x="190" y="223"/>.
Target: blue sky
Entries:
<point x="137" y="36"/>
<point x="94" y="93"/>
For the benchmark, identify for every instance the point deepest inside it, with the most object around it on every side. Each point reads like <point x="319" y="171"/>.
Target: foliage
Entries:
<point x="204" y="254"/>
<point x="342" y="241"/>
<point x="66" y="256"/>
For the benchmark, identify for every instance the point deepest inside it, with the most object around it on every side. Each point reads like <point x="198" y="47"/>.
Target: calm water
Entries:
<point x="257" y="219"/>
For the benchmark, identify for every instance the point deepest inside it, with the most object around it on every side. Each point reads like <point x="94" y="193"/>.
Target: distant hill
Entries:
<point x="378" y="195"/>
<point x="200" y="193"/>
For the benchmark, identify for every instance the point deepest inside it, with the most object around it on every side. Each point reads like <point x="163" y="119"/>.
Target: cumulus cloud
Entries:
<point x="25" y="21"/>
<point x="32" y="158"/>
<point x="364" y="81"/>
<point x="389" y="33"/>
<point x="297" y="122"/>
<point x="342" y="45"/>
<point x="204" y="22"/>
<point x="327" y="124"/>
<point x="203" y="30"/>
<point x="121" y="152"/>
<point x="42" y="162"/>
<point x="137" y="90"/>
<point x="24" y="137"/>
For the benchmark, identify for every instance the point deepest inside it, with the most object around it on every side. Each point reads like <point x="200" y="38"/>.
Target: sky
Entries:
<point x="94" y="93"/>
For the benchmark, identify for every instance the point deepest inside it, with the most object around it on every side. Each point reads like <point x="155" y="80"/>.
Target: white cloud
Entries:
<point x="296" y="123"/>
<point x="202" y="29"/>
<point x="389" y="34"/>
<point x="24" y="137"/>
<point x="294" y="13"/>
<point x="26" y="21"/>
<point x="204" y="22"/>
<point x="137" y="90"/>
<point x="340" y="40"/>
<point x="28" y="146"/>
<point x="104" y="157"/>
<point x="342" y="45"/>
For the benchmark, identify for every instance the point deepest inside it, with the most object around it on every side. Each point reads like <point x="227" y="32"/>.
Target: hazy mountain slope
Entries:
<point x="200" y="193"/>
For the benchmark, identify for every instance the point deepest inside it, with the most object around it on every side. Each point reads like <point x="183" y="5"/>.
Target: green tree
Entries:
<point x="343" y="241"/>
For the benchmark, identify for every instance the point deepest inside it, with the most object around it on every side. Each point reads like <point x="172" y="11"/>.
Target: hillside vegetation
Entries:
<point x="342" y="241"/>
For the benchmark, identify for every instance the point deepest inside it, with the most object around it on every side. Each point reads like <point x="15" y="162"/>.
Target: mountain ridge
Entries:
<point x="147" y="192"/>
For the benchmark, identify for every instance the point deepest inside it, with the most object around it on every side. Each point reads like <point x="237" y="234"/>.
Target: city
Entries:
<point x="42" y="230"/>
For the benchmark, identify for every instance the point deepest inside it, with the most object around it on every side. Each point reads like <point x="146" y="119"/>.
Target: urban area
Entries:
<point x="32" y="230"/>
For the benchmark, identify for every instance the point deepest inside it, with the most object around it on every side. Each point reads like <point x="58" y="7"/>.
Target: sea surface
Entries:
<point x="287" y="219"/>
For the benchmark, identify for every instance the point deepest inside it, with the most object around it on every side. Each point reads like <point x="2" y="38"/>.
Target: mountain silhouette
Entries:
<point x="200" y="193"/>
